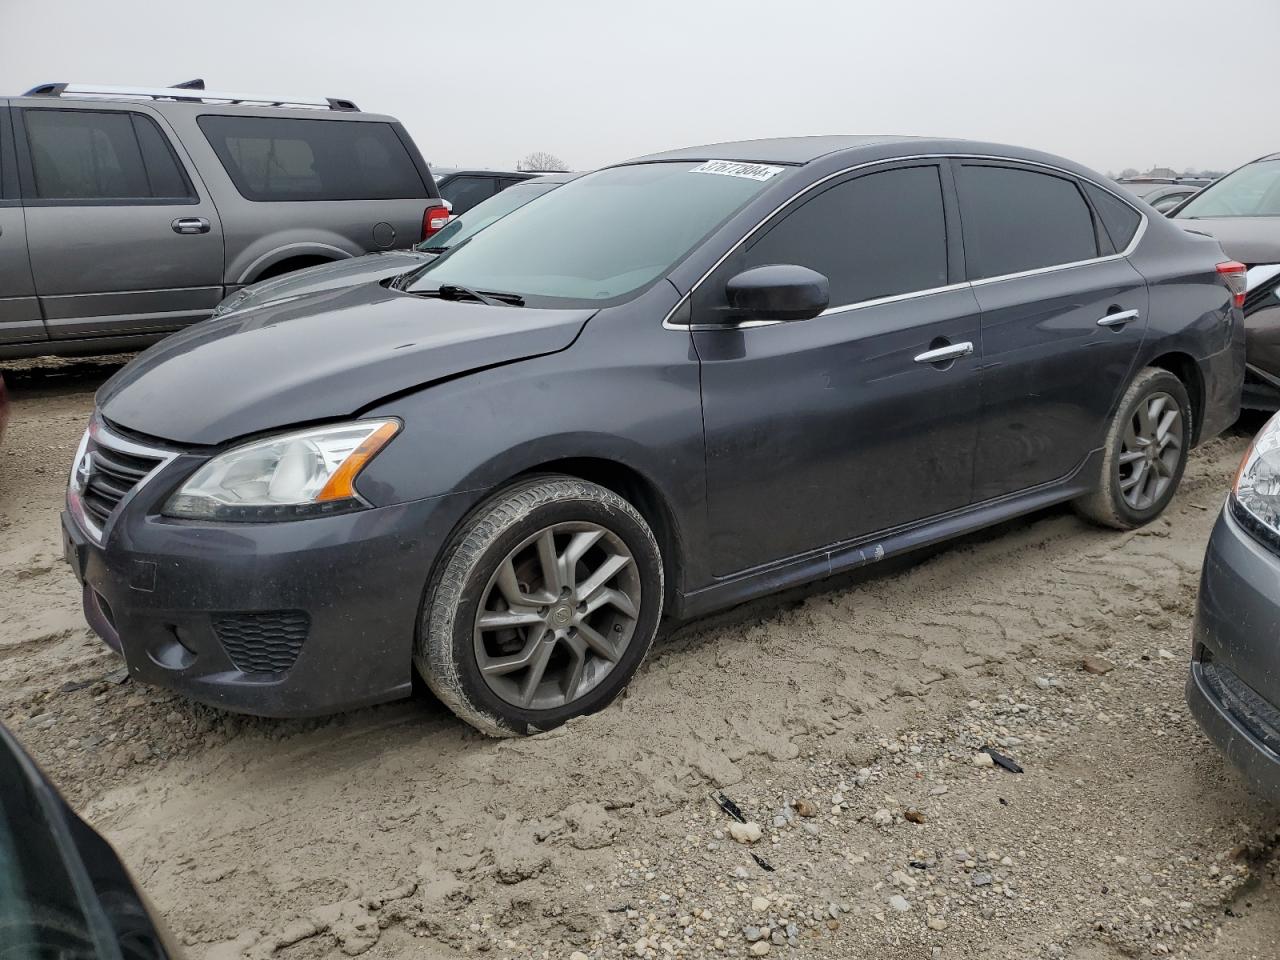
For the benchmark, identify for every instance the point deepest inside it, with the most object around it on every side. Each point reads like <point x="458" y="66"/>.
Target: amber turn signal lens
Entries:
<point x="341" y="484"/>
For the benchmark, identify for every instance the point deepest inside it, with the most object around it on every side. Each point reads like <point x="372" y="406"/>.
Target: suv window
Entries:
<point x="281" y="158"/>
<point x="465" y="192"/>
<point x="1016" y="220"/>
<point x="1120" y="219"/>
<point x="878" y="235"/>
<point x="101" y="155"/>
<point x="1251" y="191"/>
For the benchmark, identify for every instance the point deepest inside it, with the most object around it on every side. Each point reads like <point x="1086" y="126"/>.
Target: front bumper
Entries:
<point x="274" y="619"/>
<point x="1234" y="685"/>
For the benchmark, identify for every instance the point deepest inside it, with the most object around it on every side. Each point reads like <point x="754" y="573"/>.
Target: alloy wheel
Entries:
<point x="1150" y="450"/>
<point x="557" y="615"/>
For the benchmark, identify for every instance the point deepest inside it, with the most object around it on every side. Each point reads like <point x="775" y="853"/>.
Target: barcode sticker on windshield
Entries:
<point x="730" y="168"/>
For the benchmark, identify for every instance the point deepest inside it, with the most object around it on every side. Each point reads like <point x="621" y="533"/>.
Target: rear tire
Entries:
<point x="542" y="607"/>
<point x="1144" y="454"/>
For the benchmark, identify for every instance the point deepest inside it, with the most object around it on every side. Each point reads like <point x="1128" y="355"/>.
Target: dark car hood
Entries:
<point x="1251" y="240"/>
<point x="331" y="276"/>
<point x="318" y="357"/>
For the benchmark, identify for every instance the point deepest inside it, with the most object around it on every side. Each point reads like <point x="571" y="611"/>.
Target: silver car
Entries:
<point x="127" y="213"/>
<point x="380" y="266"/>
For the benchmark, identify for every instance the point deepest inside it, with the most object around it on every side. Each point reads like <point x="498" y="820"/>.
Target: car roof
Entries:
<point x="798" y="151"/>
<point x="482" y="172"/>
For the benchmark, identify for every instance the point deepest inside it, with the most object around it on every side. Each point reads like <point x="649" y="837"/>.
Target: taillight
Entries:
<point x="433" y="219"/>
<point x="1235" y="275"/>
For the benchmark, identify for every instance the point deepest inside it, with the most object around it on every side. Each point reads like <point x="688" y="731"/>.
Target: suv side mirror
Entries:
<point x="778" y="291"/>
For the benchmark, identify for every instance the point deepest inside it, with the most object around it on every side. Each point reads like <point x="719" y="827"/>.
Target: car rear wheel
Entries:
<point x="1145" y="453"/>
<point x="542" y="608"/>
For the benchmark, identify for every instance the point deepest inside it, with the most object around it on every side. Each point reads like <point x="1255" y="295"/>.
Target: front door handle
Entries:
<point x="188" y="225"/>
<point x="1119" y="318"/>
<point x="951" y="351"/>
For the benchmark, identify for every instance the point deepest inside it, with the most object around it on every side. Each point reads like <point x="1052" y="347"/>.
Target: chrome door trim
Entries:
<point x="1132" y="245"/>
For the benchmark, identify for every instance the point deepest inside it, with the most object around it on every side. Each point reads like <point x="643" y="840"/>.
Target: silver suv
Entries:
<point x="127" y="213"/>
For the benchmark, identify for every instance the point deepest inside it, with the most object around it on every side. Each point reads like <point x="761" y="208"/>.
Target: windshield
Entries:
<point x="602" y="236"/>
<point x="483" y="214"/>
<point x="1251" y="191"/>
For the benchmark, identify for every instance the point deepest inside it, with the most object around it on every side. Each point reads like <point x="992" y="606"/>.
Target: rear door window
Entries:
<point x="465" y="192"/>
<point x="282" y="158"/>
<point x="100" y="155"/>
<point x="879" y="235"/>
<point x="1120" y="220"/>
<point x="1016" y="220"/>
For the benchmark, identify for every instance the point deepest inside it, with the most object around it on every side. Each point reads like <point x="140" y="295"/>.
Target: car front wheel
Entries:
<point x="542" y="607"/>
<point x="1145" y="453"/>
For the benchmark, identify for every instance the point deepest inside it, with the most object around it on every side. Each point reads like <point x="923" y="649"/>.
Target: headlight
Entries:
<point x="295" y="475"/>
<point x="1257" y="486"/>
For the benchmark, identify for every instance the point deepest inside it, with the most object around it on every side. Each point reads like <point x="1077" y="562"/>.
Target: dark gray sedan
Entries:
<point x="1234" y="687"/>
<point x="667" y="387"/>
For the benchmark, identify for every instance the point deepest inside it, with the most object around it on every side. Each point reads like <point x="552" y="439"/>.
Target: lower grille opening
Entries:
<point x="263" y="642"/>
<point x="1255" y="714"/>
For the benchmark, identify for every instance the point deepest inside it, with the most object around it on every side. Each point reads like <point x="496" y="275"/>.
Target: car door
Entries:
<point x="1063" y="316"/>
<point x="120" y="239"/>
<point x="860" y="420"/>
<point x="19" y="309"/>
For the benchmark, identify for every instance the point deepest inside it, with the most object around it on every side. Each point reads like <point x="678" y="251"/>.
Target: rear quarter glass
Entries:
<point x="291" y="159"/>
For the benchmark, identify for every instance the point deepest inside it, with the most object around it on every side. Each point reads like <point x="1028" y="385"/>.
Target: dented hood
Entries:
<point x="317" y="357"/>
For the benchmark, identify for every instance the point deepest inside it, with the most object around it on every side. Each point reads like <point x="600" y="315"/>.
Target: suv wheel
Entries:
<point x="542" y="606"/>
<point x="1145" y="453"/>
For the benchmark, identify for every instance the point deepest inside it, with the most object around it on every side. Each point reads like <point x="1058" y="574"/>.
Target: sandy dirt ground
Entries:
<point x="842" y="720"/>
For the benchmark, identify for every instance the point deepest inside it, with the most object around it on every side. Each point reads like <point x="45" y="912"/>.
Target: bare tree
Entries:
<point x="542" y="161"/>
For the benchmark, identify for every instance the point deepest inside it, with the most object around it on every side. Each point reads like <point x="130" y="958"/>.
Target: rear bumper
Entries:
<point x="275" y="619"/>
<point x="1233" y="689"/>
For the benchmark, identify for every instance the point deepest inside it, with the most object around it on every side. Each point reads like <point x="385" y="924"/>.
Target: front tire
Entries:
<point x="1144" y="455"/>
<point x="542" y="607"/>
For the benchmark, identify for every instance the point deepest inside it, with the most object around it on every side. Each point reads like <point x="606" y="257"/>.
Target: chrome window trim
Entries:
<point x="843" y="308"/>
<point x="104" y="436"/>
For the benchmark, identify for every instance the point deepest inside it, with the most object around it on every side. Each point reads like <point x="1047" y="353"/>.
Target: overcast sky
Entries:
<point x="1181" y="83"/>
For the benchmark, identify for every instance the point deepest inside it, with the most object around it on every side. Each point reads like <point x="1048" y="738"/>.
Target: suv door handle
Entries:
<point x="942" y="354"/>
<point x="191" y="225"/>
<point x="1119" y="318"/>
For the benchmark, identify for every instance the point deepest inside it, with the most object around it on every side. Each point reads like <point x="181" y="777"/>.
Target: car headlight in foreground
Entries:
<point x="295" y="475"/>
<point x="1256" y="494"/>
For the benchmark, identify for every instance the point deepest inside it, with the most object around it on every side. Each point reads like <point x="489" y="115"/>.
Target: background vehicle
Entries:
<point x="1242" y="211"/>
<point x="466" y="188"/>
<point x="129" y="212"/>
<point x="63" y="890"/>
<point x="1234" y="685"/>
<point x="380" y="266"/>
<point x="1164" y="194"/>
<point x="667" y="387"/>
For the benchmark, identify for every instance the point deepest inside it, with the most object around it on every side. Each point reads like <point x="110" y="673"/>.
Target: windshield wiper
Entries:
<point x="456" y="291"/>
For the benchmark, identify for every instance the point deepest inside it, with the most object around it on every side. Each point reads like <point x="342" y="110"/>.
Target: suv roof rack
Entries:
<point x="192" y="91"/>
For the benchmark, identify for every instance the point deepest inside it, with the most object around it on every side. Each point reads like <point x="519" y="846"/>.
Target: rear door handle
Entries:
<point x="1118" y="319"/>
<point x="189" y="225"/>
<point x="942" y="354"/>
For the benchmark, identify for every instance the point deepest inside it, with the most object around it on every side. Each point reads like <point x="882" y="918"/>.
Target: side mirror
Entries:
<point x="778" y="291"/>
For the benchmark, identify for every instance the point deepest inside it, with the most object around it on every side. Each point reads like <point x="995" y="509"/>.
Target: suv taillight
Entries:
<point x="1236" y="276"/>
<point x="433" y="219"/>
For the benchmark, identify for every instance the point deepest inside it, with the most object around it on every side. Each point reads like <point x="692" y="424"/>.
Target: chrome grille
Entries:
<point x="108" y="469"/>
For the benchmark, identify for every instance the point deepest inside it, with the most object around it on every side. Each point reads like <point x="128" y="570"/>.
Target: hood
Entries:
<point x="318" y="357"/>
<point x="331" y="276"/>
<point x="1251" y="240"/>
